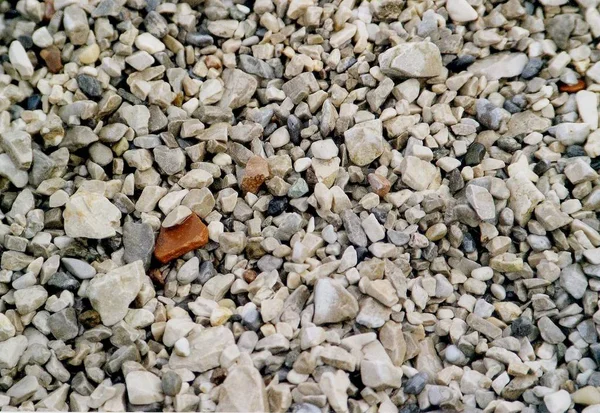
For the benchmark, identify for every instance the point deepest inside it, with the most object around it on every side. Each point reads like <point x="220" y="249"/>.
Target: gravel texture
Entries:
<point x="384" y="206"/>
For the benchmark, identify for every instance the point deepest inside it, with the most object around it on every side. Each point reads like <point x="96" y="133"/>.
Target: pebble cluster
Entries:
<point x="296" y="205"/>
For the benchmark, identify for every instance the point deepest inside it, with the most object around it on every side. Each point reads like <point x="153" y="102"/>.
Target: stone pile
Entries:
<point x="290" y="205"/>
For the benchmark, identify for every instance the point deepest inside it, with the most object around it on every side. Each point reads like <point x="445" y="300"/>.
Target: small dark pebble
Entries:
<point x="456" y="181"/>
<point x="460" y="63"/>
<point x="468" y="244"/>
<point x="519" y="234"/>
<point x="595" y="164"/>
<point x="199" y="39"/>
<point x="475" y="154"/>
<point x="509" y="145"/>
<point x="89" y="85"/>
<point x="361" y="253"/>
<point x="510" y="107"/>
<point x="134" y="100"/>
<point x="532" y="68"/>
<point x="277" y="206"/>
<point x="26" y="41"/>
<point x="64" y="281"/>
<point x="89" y="318"/>
<point x="294" y="126"/>
<point x="541" y="167"/>
<point x="416" y="383"/>
<point x="439" y="153"/>
<point x="574" y="151"/>
<point x="521" y="327"/>
<point x="34" y="102"/>
<point x="380" y="214"/>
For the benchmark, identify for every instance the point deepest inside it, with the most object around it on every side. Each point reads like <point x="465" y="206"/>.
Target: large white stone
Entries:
<point x="19" y="59"/>
<point x="364" y="142"/>
<point x="110" y="294"/>
<point x="243" y="391"/>
<point x="417" y="59"/>
<point x="206" y="347"/>
<point x="333" y="303"/>
<point x="143" y="387"/>
<point x="91" y="215"/>
<point x="460" y="11"/>
<point x="498" y="66"/>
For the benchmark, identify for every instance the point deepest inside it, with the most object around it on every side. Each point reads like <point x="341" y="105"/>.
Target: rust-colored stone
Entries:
<point x="173" y="242"/>
<point x="249" y="276"/>
<point x="51" y="56"/>
<point x="257" y="171"/>
<point x="157" y="276"/>
<point x="572" y="88"/>
<point x="379" y="184"/>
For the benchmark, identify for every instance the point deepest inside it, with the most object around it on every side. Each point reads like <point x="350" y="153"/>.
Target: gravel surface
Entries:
<point x="223" y="206"/>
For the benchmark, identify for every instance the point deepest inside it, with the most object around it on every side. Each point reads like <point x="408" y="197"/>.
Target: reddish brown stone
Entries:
<point x="257" y="171"/>
<point x="173" y="242"/>
<point x="379" y="184"/>
<point x="51" y="56"/>
<point x="48" y="9"/>
<point x="157" y="276"/>
<point x="249" y="276"/>
<point x="572" y="88"/>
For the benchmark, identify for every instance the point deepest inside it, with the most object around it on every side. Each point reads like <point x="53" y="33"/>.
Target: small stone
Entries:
<point x="558" y="402"/>
<point x="416" y="383"/>
<point x="501" y="65"/>
<point x="416" y="173"/>
<point x="333" y="303"/>
<point x="89" y="85"/>
<point x="482" y="202"/>
<point x="550" y="332"/>
<point x="19" y="59"/>
<point x="364" y="142"/>
<point x="143" y="388"/>
<point x="256" y="172"/>
<point x="178" y="240"/>
<point x="475" y="154"/>
<point x="110" y="294"/>
<point x="243" y="391"/>
<point x="63" y="324"/>
<point x="171" y="383"/>
<point x="138" y="242"/>
<point x="79" y="268"/>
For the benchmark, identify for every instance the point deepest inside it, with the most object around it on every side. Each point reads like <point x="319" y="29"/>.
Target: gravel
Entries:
<point x="300" y="206"/>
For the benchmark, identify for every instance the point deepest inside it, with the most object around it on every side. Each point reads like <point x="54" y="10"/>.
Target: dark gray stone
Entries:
<point x="138" y="241"/>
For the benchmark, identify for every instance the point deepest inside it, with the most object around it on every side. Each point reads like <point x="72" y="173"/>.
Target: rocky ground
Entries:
<point x="385" y="206"/>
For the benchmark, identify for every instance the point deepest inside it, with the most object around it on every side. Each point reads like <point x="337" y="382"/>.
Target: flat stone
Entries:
<point x="364" y="142"/>
<point x="11" y="351"/>
<point x="550" y="332"/>
<point x="19" y="59"/>
<point x="239" y="88"/>
<point x="461" y="11"/>
<point x="573" y="280"/>
<point x="498" y="66"/>
<point x="482" y="202"/>
<point x="143" y="388"/>
<point x="417" y="173"/>
<point x="110" y="294"/>
<point x="243" y="391"/>
<point x="176" y="241"/>
<point x="333" y="303"/>
<point x="417" y="59"/>
<point x="90" y="215"/>
<point x="255" y="174"/>
<point x="138" y="242"/>
<point x="206" y="347"/>
<point x="78" y="268"/>
<point x="63" y="324"/>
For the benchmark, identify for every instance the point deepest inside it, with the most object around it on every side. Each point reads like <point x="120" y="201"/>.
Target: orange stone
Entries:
<point x="379" y="184"/>
<point x="572" y="88"/>
<point x="173" y="242"/>
<point x="257" y="171"/>
<point x="51" y="56"/>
